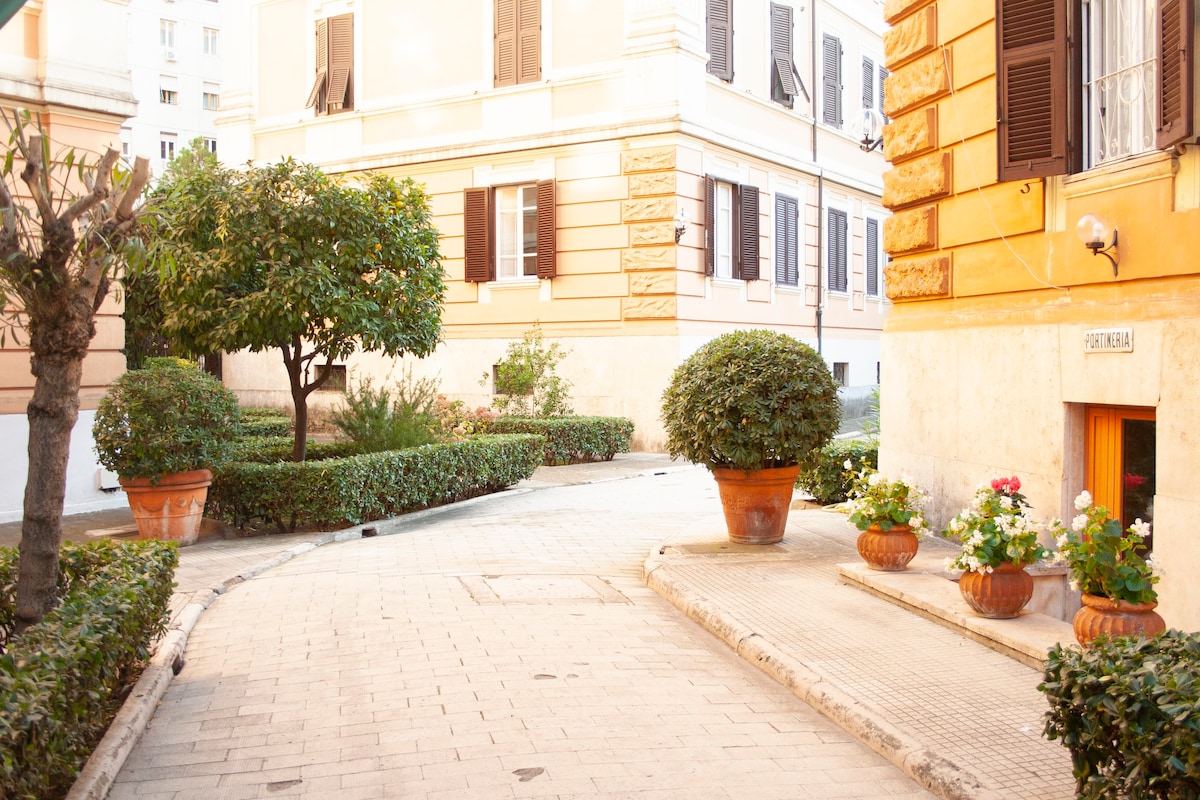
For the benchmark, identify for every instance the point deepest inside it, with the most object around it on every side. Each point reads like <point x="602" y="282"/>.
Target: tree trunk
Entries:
<point x="291" y="360"/>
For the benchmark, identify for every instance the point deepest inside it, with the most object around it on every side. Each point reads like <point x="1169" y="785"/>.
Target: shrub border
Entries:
<point x="573" y="440"/>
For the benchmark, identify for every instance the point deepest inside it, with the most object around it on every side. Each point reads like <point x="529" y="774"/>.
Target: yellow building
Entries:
<point x="1045" y="189"/>
<point x="636" y="177"/>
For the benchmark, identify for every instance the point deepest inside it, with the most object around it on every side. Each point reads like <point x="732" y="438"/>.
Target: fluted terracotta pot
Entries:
<point x="999" y="594"/>
<point x="171" y="509"/>
<point x="1101" y="614"/>
<point x="890" y="550"/>
<point x="756" y="502"/>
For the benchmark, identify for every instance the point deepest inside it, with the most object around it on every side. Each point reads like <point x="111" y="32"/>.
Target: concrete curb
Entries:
<point x="936" y="774"/>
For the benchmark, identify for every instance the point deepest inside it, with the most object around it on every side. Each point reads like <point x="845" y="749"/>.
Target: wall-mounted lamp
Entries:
<point x="1094" y="231"/>
<point x="870" y="126"/>
<point x="681" y="222"/>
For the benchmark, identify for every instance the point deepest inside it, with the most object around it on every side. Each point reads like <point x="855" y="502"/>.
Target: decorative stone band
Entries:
<point x="912" y="278"/>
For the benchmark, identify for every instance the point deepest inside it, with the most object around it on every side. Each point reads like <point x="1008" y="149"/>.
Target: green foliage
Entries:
<point x="457" y="421"/>
<point x="1128" y="710"/>
<point x="264" y="422"/>
<point x="885" y="502"/>
<point x="274" y="449"/>
<point x="144" y="337"/>
<point x="526" y="383"/>
<point x="60" y="680"/>
<point x="574" y="440"/>
<point x="389" y="419"/>
<point x="169" y="417"/>
<point x="336" y="492"/>
<point x="751" y="400"/>
<point x="828" y="480"/>
<point x="1103" y="559"/>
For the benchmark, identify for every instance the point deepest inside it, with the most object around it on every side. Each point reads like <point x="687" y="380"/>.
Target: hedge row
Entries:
<point x="61" y="680"/>
<point x="265" y="422"/>
<point x="337" y="492"/>
<point x="573" y="440"/>
<point x="828" y="480"/>
<point x="1128" y="710"/>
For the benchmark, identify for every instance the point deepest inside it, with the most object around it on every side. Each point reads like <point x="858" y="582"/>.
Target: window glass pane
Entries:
<point x="1137" y="471"/>
<point x="1119" y="78"/>
<point x="506" y="231"/>
<point x="529" y="229"/>
<point x="724" y="238"/>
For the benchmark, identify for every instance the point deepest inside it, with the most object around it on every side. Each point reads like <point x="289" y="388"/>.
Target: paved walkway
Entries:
<point x="509" y="647"/>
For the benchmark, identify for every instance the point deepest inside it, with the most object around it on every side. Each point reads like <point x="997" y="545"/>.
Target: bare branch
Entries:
<point x="34" y="175"/>
<point x="137" y="182"/>
<point x="99" y="192"/>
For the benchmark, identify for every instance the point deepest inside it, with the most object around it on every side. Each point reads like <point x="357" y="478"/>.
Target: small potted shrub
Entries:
<point x="888" y="512"/>
<point x="162" y="429"/>
<point x="752" y="406"/>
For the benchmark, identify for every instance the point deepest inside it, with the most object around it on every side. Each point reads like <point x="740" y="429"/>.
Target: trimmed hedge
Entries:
<point x="264" y="422"/>
<point x="339" y="491"/>
<point x="1128" y="709"/>
<point x="828" y="481"/>
<point x="276" y="449"/>
<point x="573" y="440"/>
<point x="61" y="680"/>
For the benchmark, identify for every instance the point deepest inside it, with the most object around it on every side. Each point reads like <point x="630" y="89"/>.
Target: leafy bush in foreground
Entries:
<point x="828" y="480"/>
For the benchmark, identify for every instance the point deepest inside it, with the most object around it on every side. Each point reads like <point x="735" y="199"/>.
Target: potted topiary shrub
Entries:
<point x="752" y="406"/>
<point x="162" y="429"/>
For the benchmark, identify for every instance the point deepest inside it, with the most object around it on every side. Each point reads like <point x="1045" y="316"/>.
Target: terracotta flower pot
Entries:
<point x="999" y="594"/>
<point x="890" y="550"/>
<point x="172" y="509"/>
<point x="1116" y="618"/>
<point x="756" y="502"/>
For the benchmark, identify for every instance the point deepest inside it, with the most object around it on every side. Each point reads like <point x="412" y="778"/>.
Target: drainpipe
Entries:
<point x="812" y="15"/>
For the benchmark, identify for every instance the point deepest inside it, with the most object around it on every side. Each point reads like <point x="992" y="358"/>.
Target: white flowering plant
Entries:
<point x="1103" y="559"/>
<point x="998" y="527"/>
<point x="877" y="500"/>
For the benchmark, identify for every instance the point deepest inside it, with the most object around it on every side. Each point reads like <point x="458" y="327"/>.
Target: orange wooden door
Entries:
<point x="1120" y="461"/>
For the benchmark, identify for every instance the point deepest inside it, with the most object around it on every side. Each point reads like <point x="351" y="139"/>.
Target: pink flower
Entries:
<point x="1133" y="481"/>
<point x="1006" y="485"/>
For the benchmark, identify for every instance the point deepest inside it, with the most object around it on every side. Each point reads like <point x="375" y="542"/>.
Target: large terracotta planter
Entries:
<point x="1116" y="618"/>
<point x="999" y="594"/>
<point x="756" y="502"/>
<point x="890" y="550"/>
<point x="170" y="510"/>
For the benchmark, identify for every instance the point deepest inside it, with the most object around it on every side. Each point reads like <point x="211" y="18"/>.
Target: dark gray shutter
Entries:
<point x="883" y="73"/>
<point x="506" y="42"/>
<point x="1034" y="71"/>
<point x="868" y="83"/>
<point x="831" y="80"/>
<point x="837" y="250"/>
<point x="787" y="250"/>
<point x="1175" y="82"/>
<point x="719" y="37"/>
<point x="529" y="40"/>
<point x="316" y="95"/>
<point x="746" y="212"/>
<point x="341" y="63"/>
<point x="872" y="257"/>
<point x="785" y="83"/>
<point x="546" y="241"/>
<point x="710" y="226"/>
<point x="477" y="224"/>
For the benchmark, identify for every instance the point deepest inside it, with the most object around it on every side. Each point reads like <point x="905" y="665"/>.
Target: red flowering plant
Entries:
<point x="996" y="528"/>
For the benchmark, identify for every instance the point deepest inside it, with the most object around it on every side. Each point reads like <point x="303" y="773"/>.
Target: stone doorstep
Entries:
<point x="924" y="590"/>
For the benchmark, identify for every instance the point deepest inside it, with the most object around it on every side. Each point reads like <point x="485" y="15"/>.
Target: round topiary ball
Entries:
<point x="751" y="400"/>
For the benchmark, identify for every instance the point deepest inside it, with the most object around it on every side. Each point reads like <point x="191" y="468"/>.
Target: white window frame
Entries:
<point x="210" y="145"/>
<point x="166" y="145"/>
<point x="166" y="32"/>
<point x="211" y="42"/>
<point x="723" y="236"/>
<point x="168" y="97"/>
<point x="210" y="97"/>
<point x="515" y="205"/>
<point x="1119" y="81"/>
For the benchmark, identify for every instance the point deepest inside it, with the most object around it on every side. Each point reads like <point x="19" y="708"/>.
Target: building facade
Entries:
<point x="634" y="177"/>
<point x="1045" y="189"/>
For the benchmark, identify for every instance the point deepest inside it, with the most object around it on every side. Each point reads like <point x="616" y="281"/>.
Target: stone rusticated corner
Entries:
<point x="911" y="230"/>
<point x="648" y="258"/>
<point x="648" y="185"/>
<point x="650" y="160"/>
<point x="645" y="209"/>
<point x="652" y="283"/>
<point x="917" y="181"/>
<point x="911" y="37"/>
<point x="916" y="83"/>
<point x="917" y="278"/>
<point x="895" y="10"/>
<point x="911" y="135"/>
<point x="655" y="307"/>
<point x="652" y="233"/>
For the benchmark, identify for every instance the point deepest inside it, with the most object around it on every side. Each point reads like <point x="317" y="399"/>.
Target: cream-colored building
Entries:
<point x="635" y="176"/>
<point x="64" y="60"/>
<point x="1013" y="345"/>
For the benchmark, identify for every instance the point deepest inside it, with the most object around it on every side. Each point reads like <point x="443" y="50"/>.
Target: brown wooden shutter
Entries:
<point x="746" y="209"/>
<point x="322" y="73"/>
<point x="787" y="249"/>
<point x="873" y="257"/>
<point x="341" y="63"/>
<point x="837" y="250"/>
<point x="710" y="226"/>
<point x="506" y="42"/>
<point x="546" y="240"/>
<point x="831" y="80"/>
<point x="1037" y="116"/>
<point x="783" y="66"/>
<point x="529" y="41"/>
<point x="719" y="35"/>
<point x="477" y="225"/>
<point x="1175" y="82"/>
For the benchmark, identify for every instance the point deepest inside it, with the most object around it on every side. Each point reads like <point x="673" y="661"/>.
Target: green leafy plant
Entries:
<point x="886" y="503"/>
<point x="997" y="528"/>
<point x="526" y="381"/>
<point x="751" y="400"/>
<point x="1128" y="710"/>
<point x="457" y="421"/>
<point x="389" y="419"/>
<point x="1104" y="560"/>
<point x="573" y="440"/>
<point x="168" y="417"/>
<point x="827" y="480"/>
<point x="264" y="422"/>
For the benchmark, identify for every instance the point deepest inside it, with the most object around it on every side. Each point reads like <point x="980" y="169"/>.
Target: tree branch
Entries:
<point x="99" y="192"/>
<point x="34" y="174"/>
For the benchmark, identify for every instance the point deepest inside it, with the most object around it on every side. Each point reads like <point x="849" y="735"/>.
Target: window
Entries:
<point x="334" y="377"/>
<point x="1126" y="88"/>
<point x="510" y="232"/>
<point x="787" y="241"/>
<point x="841" y="372"/>
<point x="718" y="35"/>
<point x="168" y="96"/>
<point x="210" y="41"/>
<point x="210" y="145"/>
<point x="210" y="99"/>
<point x="836" y="250"/>
<point x="730" y="230"/>
<point x="883" y="73"/>
<point x="166" y="145"/>
<point x="126" y="135"/>
<point x="518" y="41"/>
<point x="333" y="87"/>
<point x="785" y="80"/>
<point x="870" y="97"/>
<point x="831" y="80"/>
<point x="874" y="251"/>
<point x="166" y="33"/>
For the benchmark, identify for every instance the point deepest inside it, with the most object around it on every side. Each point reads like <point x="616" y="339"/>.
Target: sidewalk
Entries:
<point x="961" y="719"/>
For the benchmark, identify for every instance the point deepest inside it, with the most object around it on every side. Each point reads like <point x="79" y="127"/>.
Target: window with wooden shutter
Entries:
<point x="477" y="234"/>
<point x="731" y="231"/>
<point x="1173" y="120"/>
<point x="838" y="224"/>
<point x="316" y="97"/>
<point x="719" y="38"/>
<point x="710" y="226"/>
<point x="872" y="257"/>
<point x="333" y="85"/>
<point x="831" y="80"/>
<point x="509" y="232"/>
<point x="518" y="41"/>
<point x="883" y="73"/>
<point x="746" y="214"/>
<point x="868" y="83"/>
<point x="787" y="241"/>
<point x="785" y="79"/>
<point x="546" y="242"/>
<point x="1038" y="109"/>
